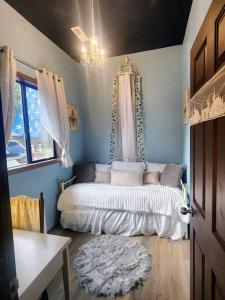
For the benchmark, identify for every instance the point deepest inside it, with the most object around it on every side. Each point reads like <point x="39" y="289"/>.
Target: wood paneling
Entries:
<point x="199" y="167"/>
<point x="208" y="225"/>
<point x="220" y="38"/>
<point x="199" y="270"/>
<point x="200" y="66"/>
<point x="208" y="166"/>
<point x="208" y="50"/>
<point x="217" y="293"/>
<point x="201" y="54"/>
<point x="218" y="201"/>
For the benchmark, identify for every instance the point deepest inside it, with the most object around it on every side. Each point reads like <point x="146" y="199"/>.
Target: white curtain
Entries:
<point x="7" y="83"/>
<point x="127" y="123"/>
<point x="54" y="111"/>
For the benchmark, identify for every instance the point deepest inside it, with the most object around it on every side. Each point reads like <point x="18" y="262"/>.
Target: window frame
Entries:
<point x="26" y="81"/>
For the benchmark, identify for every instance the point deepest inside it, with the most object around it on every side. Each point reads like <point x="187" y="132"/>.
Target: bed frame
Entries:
<point x="64" y="183"/>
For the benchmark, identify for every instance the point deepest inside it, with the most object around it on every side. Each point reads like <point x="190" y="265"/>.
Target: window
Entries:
<point x="29" y="141"/>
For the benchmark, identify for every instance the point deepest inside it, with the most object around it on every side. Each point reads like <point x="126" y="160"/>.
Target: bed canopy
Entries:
<point x="127" y="140"/>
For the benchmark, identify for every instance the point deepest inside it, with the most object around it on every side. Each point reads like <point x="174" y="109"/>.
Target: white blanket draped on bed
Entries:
<point x="126" y="223"/>
<point x="147" y="199"/>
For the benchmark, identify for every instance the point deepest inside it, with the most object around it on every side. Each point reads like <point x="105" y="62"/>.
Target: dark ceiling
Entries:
<point x="123" y="26"/>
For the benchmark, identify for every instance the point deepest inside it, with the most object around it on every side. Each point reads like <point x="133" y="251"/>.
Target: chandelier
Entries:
<point x="92" y="54"/>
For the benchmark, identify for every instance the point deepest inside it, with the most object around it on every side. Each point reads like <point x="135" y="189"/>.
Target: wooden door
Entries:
<point x="208" y="167"/>
<point x="208" y="202"/>
<point x="8" y="282"/>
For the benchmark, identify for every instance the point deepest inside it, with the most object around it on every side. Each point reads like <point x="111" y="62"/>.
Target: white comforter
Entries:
<point x="147" y="199"/>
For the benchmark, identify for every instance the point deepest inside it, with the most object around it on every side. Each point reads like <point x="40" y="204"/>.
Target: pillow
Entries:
<point x="103" y="167"/>
<point x="152" y="167"/>
<point x="127" y="178"/>
<point x="102" y="177"/>
<point x="151" y="178"/>
<point x="84" y="172"/>
<point x="172" y="175"/>
<point x="128" y="166"/>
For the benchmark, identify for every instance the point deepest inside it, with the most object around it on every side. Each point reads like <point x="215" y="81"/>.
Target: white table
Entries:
<point x="39" y="257"/>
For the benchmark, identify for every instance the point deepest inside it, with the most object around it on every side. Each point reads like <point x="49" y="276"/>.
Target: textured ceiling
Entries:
<point x="123" y="26"/>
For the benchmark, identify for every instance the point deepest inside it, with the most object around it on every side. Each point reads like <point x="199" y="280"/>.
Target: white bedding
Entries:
<point x="122" y="222"/>
<point x="147" y="199"/>
<point x="123" y="210"/>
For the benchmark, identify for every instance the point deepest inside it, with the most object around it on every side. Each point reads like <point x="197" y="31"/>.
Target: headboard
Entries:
<point x="128" y="159"/>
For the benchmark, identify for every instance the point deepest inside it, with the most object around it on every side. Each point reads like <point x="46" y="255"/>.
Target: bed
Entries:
<point x="127" y="210"/>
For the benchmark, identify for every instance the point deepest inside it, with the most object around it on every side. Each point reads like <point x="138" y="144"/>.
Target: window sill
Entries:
<point x="33" y="166"/>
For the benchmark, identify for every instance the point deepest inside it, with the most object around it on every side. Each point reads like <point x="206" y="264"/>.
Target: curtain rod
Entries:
<point x="23" y="62"/>
<point x="27" y="64"/>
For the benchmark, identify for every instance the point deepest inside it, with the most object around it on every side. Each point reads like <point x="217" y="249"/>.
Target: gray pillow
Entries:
<point x="84" y="172"/>
<point x="172" y="175"/>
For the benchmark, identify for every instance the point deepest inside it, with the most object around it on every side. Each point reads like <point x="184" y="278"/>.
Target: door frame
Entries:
<point x="8" y="281"/>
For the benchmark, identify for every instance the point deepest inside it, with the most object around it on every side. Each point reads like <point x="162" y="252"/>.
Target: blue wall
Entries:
<point x="33" y="47"/>
<point x="162" y="98"/>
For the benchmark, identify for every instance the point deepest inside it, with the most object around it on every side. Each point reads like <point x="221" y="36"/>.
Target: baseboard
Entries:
<point x="57" y="225"/>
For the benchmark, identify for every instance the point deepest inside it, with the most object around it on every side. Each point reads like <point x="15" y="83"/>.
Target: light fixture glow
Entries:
<point x="92" y="55"/>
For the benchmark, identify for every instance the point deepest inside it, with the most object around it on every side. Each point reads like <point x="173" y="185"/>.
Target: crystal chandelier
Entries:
<point x="91" y="54"/>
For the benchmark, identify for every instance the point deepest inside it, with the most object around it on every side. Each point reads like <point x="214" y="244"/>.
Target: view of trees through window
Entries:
<point x="29" y="141"/>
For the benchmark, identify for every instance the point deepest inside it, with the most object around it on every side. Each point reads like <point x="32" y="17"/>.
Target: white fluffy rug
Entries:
<point x="111" y="265"/>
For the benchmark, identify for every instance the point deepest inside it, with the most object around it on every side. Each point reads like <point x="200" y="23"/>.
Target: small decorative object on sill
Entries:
<point x="73" y="115"/>
<point x="209" y="102"/>
<point x="186" y="106"/>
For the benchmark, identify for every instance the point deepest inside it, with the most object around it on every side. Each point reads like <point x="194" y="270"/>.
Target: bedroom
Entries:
<point x="159" y="49"/>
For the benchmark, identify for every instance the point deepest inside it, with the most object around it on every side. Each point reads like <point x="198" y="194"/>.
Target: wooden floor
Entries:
<point x="168" y="279"/>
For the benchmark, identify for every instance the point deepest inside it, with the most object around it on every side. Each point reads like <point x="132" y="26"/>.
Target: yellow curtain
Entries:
<point x="25" y="213"/>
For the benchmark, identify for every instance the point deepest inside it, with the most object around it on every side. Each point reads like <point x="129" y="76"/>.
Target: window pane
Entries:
<point x="41" y="143"/>
<point x="16" y="149"/>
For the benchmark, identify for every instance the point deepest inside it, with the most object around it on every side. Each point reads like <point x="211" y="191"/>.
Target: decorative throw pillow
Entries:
<point x="151" y="178"/>
<point x="84" y="172"/>
<point x="127" y="178"/>
<point x="102" y="177"/>
<point x="172" y="175"/>
<point x="103" y="167"/>
<point x="153" y="167"/>
<point x="128" y="166"/>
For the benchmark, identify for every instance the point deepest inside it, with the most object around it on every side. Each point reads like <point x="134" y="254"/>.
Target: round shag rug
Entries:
<point x="111" y="265"/>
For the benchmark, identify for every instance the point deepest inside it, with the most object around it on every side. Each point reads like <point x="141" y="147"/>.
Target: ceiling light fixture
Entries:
<point x="91" y="53"/>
